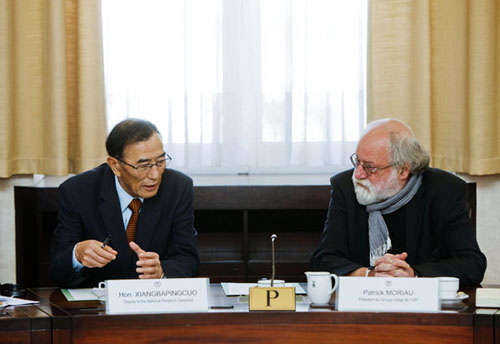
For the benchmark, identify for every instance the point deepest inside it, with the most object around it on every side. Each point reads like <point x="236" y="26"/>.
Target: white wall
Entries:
<point x="488" y="214"/>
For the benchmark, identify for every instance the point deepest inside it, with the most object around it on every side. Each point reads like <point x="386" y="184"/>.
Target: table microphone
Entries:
<point x="273" y="238"/>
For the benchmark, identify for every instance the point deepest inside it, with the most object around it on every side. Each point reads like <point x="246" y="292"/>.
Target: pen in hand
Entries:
<point x="106" y="241"/>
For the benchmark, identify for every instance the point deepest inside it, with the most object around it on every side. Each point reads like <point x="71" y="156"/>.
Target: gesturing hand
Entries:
<point x="91" y="254"/>
<point x="148" y="265"/>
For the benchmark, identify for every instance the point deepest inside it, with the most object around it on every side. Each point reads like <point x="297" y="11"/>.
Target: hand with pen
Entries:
<point x="95" y="254"/>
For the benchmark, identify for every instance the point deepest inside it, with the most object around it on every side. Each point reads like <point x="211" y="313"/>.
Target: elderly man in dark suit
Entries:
<point x="129" y="218"/>
<point x="394" y="216"/>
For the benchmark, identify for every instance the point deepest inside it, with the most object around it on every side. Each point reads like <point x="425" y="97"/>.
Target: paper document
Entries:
<point x="14" y="301"/>
<point x="83" y="294"/>
<point x="236" y="289"/>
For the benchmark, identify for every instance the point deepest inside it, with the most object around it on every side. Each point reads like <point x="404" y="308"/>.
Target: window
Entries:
<point x="240" y="86"/>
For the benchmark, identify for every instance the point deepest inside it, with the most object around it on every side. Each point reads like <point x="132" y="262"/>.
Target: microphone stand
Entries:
<point x="273" y="238"/>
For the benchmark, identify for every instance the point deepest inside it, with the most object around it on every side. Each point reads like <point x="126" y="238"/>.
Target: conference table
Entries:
<point x="56" y="320"/>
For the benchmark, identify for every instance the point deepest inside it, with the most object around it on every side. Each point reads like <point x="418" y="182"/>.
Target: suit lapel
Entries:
<point x="414" y="217"/>
<point x="113" y="221"/>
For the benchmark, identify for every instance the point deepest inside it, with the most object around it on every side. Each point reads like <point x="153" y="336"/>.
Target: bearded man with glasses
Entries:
<point x="128" y="218"/>
<point x="393" y="215"/>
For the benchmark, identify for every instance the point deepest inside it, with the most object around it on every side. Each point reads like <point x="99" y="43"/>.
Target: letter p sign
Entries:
<point x="272" y="299"/>
<point x="275" y="294"/>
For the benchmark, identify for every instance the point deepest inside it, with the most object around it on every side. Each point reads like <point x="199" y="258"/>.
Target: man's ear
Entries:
<point x="404" y="172"/>
<point x="113" y="164"/>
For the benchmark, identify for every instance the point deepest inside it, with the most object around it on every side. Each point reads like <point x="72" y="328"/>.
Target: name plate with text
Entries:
<point x="166" y="295"/>
<point x="271" y="299"/>
<point x="388" y="294"/>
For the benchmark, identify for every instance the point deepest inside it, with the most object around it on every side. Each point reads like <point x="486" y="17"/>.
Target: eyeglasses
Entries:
<point x="367" y="167"/>
<point x="143" y="168"/>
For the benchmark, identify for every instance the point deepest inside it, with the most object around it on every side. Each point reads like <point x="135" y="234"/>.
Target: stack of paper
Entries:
<point x="83" y="294"/>
<point x="14" y="301"/>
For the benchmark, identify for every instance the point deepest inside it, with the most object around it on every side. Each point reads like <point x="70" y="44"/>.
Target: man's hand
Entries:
<point x="393" y="265"/>
<point x="90" y="254"/>
<point x="148" y="264"/>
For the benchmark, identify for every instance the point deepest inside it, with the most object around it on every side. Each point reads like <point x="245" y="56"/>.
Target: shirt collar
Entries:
<point x="123" y="196"/>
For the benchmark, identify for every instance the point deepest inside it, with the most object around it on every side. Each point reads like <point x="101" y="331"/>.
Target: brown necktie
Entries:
<point x="135" y="206"/>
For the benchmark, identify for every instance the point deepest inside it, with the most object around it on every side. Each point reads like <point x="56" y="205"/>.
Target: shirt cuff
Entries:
<point x="77" y="266"/>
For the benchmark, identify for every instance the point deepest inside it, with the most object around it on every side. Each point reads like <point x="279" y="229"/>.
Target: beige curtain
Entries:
<point x="435" y="64"/>
<point x="52" y="113"/>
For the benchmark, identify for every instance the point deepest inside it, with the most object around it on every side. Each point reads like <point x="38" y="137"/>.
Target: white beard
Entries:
<point x="370" y="193"/>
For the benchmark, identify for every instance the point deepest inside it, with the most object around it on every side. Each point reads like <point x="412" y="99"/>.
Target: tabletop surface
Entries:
<point x="56" y="320"/>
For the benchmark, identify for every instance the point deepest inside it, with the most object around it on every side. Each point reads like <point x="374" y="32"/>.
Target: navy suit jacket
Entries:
<point x="89" y="208"/>
<point x="440" y="240"/>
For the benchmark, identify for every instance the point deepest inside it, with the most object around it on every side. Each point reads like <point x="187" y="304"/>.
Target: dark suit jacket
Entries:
<point x="440" y="239"/>
<point x="90" y="209"/>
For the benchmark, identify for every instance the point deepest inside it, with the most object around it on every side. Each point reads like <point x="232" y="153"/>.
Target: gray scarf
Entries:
<point x="380" y="242"/>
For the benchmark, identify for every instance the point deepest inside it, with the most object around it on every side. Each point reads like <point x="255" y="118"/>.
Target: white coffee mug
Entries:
<point x="319" y="286"/>
<point x="448" y="287"/>
<point x="100" y="291"/>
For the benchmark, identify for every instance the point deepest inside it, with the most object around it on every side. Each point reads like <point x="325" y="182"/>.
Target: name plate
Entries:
<point x="388" y="294"/>
<point x="168" y="295"/>
<point x="271" y="299"/>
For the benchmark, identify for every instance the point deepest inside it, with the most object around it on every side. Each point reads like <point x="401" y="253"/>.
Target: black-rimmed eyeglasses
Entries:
<point x="143" y="168"/>
<point x="367" y="167"/>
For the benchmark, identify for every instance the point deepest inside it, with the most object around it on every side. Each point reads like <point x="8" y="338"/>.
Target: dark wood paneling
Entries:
<point x="497" y="327"/>
<point x="41" y="325"/>
<point x="261" y="197"/>
<point x="15" y="326"/>
<point x="484" y="326"/>
<point x="36" y="218"/>
<point x="234" y="225"/>
<point x="276" y="333"/>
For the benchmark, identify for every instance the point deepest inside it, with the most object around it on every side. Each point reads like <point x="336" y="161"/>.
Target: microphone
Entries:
<point x="270" y="298"/>
<point x="273" y="238"/>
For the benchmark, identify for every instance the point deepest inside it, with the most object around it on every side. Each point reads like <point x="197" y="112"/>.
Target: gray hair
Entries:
<point x="405" y="149"/>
